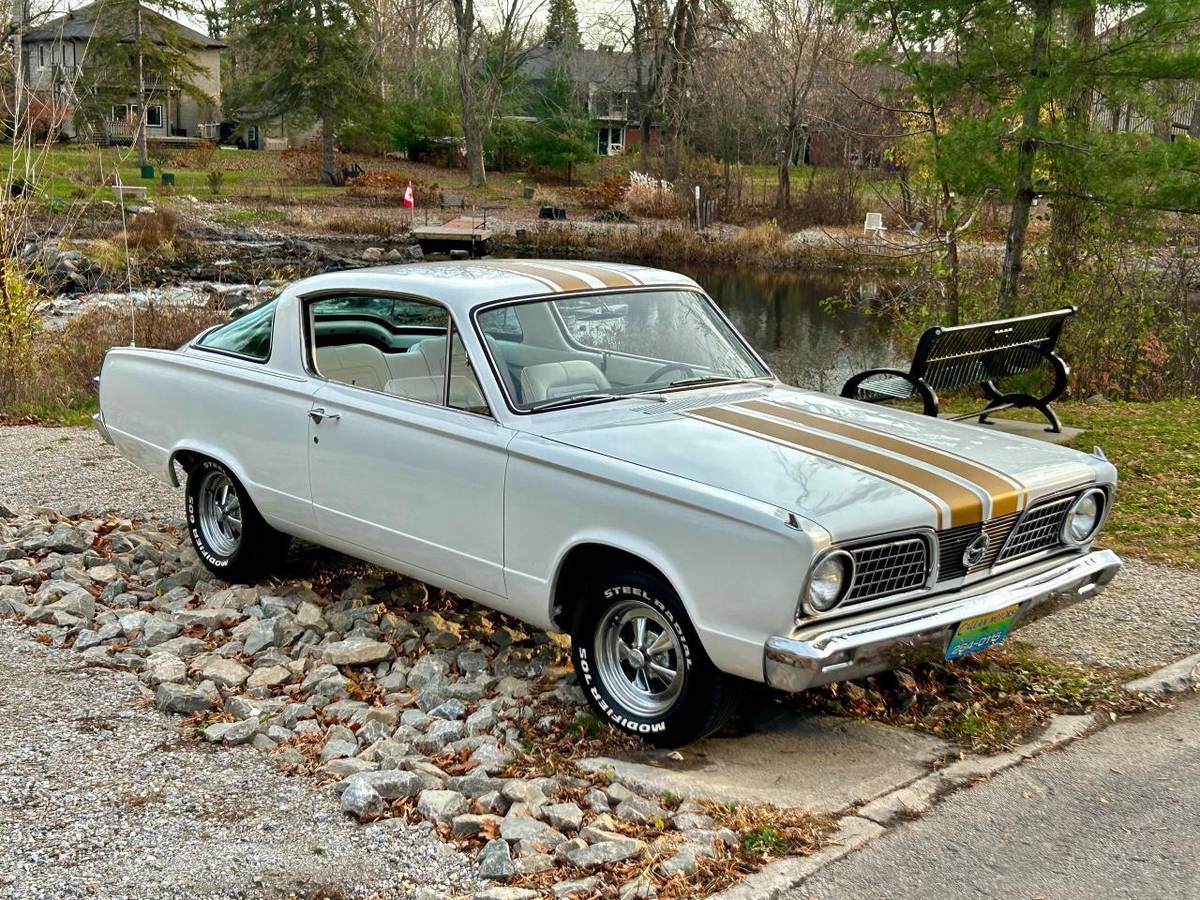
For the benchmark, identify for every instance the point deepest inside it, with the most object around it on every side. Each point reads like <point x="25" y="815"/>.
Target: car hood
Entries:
<point x="853" y="468"/>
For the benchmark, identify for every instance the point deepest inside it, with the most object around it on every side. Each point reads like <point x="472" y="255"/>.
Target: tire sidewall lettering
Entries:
<point x="193" y="519"/>
<point x="594" y="686"/>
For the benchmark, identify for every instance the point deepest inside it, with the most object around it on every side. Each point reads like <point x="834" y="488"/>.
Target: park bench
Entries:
<point x="980" y="354"/>
<point x="449" y="201"/>
<point x="129" y="191"/>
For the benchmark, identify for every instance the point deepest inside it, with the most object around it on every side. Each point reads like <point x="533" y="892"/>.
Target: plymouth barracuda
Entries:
<point x="594" y="449"/>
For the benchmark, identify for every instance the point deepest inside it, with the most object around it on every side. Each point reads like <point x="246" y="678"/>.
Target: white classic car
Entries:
<point x="594" y="449"/>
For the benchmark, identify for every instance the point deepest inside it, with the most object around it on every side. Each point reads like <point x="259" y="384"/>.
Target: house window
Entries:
<point x="610" y="141"/>
<point x="125" y="112"/>
<point x="42" y="56"/>
<point x="154" y="116"/>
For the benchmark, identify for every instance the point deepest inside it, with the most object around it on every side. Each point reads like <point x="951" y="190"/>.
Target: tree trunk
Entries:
<point x="473" y="128"/>
<point x="950" y="223"/>
<point x="329" y="172"/>
<point x="143" y="156"/>
<point x="1070" y="208"/>
<point x="783" y="190"/>
<point x="645" y="125"/>
<point x="1194" y="127"/>
<point x="1018" y="223"/>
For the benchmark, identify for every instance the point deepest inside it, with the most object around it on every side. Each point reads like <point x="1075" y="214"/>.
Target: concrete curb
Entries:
<point x="1176" y="678"/>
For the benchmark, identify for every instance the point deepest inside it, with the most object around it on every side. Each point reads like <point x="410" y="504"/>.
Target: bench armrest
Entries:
<point x="854" y="386"/>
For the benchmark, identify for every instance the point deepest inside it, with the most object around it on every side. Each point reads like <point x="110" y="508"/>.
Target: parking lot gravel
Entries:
<point x="102" y="797"/>
<point x="72" y="470"/>
<point x="1148" y="617"/>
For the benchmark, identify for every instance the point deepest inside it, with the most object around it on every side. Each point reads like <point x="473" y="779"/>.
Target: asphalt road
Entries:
<point x="1116" y="815"/>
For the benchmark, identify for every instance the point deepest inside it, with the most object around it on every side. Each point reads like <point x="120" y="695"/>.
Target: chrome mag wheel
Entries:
<point x="639" y="658"/>
<point x="219" y="513"/>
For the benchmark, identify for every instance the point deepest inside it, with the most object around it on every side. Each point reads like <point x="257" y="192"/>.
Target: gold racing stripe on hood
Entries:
<point x="552" y="278"/>
<point x="965" y="505"/>
<point x="1008" y="495"/>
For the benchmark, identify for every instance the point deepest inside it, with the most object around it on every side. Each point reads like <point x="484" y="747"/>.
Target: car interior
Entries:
<point x="398" y="346"/>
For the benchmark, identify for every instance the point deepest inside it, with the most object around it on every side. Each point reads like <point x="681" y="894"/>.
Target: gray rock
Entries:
<point x="682" y="863"/>
<point x="219" y="670"/>
<point x="362" y="801"/>
<point x="268" y="677"/>
<point x="482" y="721"/>
<point x="689" y="821"/>
<point x="438" y="735"/>
<point x="451" y="709"/>
<point x="178" y="698"/>
<point x="564" y="816"/>
<point x="606" y="852"/>
<point x="390" y="785"/>
<point x="263" y="634"/>
<point x="338" y="749"/>
<point x="469" y="824"/>
<point x="596" y="800"/>
<point x="525" y="828"/>
<point x="640" y="811"/>
<point x="441" y="806"/>
<point x="502" y="893"/>
<point x="357" y="652"/>
<point x="495" y="861"/>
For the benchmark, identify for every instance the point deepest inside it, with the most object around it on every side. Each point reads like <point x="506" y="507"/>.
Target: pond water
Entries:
<point x="785" y="315"/>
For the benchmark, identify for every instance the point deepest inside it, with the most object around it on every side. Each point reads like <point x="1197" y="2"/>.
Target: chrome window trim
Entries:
<point x="739" y="338"/>
<point x="308" y="347"/>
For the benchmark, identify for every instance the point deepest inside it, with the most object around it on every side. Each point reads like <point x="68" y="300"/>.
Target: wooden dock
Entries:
<point x="468" y="233"/>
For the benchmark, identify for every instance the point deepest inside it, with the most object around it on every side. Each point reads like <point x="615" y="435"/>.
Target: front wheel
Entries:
<point x="230" y="536"/>
<point x="641" y="664"/>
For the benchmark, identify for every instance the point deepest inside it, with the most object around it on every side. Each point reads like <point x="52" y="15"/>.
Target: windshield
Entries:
<point x="553" y="353"/>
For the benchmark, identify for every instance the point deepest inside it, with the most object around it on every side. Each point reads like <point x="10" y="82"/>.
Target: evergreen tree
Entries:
<point x="562" y="135"/>
<point x="311" y="60"/>
<point x="562" y="26"/>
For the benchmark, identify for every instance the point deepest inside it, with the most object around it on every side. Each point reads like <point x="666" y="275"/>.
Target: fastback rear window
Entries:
<point x="248" y="335"/>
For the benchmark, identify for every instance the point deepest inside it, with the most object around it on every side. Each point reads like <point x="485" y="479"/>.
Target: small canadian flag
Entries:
<point x="408" y="196"/>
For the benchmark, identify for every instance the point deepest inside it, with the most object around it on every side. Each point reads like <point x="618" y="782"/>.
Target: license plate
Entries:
<point x="981" y="632"/>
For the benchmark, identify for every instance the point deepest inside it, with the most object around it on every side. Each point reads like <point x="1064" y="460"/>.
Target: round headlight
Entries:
<point x="829" y="581"/>
<point x="1084" y="517"/>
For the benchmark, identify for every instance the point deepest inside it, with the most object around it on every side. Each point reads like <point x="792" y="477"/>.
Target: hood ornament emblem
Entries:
<point x="976" y="550"/>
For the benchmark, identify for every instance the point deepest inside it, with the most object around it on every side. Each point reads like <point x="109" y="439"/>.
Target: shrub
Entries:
<point x="148" y="231"/>
<point x="215" y="179"/>
<point x="650" y="196"/>
<point x="603" y="195"/>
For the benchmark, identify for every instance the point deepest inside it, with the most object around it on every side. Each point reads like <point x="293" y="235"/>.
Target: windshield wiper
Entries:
<point x="573" y="399"/>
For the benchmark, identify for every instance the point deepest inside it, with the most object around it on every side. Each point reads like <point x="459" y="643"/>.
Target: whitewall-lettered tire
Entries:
<point x="231" y="538"/>
<point x="641" y="664"/>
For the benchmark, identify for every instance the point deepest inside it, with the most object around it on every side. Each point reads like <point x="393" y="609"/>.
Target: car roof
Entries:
<point x="465" y="284"/>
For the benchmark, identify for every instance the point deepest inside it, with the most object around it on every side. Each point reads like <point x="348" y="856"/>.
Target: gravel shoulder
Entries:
<point x="73" y="471"/>
<point x="102" y="797"/>
<point x="1148" y="617"/>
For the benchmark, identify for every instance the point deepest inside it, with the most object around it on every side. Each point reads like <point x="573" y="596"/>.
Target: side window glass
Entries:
<point x="464" y="389"/>
<point x="502" y="324"/>
<point x="248" y="335"/>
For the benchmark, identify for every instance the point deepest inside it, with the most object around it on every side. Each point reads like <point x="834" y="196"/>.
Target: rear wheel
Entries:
<point x="230" y="536"/>
<point x="641" y="664"/>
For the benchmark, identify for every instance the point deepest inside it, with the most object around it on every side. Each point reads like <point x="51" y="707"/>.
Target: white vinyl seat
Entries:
<point x="548" y="381"/>
<point x="358" y="364"/>
<point x="464" y="392"/>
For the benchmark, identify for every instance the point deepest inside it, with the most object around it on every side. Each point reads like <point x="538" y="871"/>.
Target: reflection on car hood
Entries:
<point x="854" y="468"/>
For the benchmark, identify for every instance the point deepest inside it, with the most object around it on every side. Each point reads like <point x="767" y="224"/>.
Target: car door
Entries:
<point x="394" y="468"/>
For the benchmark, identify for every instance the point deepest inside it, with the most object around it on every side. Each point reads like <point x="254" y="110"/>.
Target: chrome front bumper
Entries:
<point x="845" y="651"/>
<point x="101" y="428"/>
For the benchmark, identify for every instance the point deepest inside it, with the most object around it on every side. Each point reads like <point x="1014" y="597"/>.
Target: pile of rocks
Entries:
<point x="407" y="703"/>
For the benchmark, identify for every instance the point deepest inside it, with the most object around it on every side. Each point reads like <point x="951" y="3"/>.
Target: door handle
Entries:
<point x="318" y="415"/>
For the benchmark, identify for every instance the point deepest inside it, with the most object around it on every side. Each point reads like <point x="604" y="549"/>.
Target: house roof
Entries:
<point x="609" y="68"/>
<point x="81" y="24"/>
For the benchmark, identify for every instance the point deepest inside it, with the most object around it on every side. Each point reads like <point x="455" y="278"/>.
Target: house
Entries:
<point x="57" y="57"/>
<point x="607" y="83"/>
<point x="1176" y="112"/>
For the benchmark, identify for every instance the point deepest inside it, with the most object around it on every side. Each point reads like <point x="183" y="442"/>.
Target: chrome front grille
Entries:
<point x="892" y="567"/>
<point x="953" y="542"/>
<point x="1040" y="529"/>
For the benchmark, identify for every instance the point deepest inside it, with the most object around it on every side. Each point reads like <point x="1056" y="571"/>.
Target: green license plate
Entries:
<point x="981" y="632"/>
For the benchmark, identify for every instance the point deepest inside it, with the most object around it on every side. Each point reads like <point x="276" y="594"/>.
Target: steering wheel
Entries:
<point x="685" y="370"/>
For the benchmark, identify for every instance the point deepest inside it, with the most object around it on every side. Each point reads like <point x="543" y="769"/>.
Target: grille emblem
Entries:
<point x="976" y="550"/>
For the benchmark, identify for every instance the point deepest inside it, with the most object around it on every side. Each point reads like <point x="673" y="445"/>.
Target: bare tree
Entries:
<point x="488" y="57"/>
<point x="789" y="43"/>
